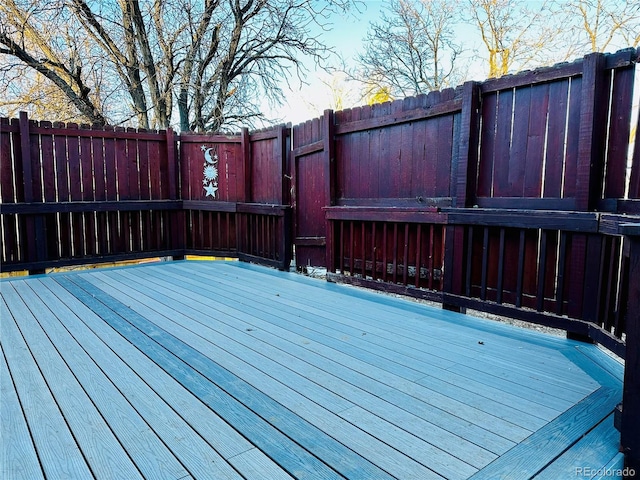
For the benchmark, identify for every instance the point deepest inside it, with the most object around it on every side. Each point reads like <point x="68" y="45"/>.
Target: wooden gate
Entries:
<point x="313" y="188"/>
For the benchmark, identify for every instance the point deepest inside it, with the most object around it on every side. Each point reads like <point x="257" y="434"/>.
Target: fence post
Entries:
<point x="630" y="424"/>
<point x="582" y="287"/>
<point x="463" y="188"/>
<point x="328" y="134"/>
<point x="283" y="165"/>
<point x="178" y="233"/>
<point x="592" y="131"/>
<point x="34" y="224"/>
<point x="245" y="142"/>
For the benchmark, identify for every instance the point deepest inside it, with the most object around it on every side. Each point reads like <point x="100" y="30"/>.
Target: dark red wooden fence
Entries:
<point x="512" y="196"/>
<point x="74" y="195"/>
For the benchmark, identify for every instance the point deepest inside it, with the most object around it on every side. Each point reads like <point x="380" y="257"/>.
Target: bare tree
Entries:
<point x="516" y="35"/>
<point x="596" y="25"/>
<point x="154" y="62"/>
<point x="412" y="49"/>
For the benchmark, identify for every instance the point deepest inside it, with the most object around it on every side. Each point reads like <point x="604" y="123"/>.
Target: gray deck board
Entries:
<point x="229" y="370"/>
<point x="100" y="447"/>
<point x="553" y="439"/>
<point x="448" y="466"/>
<point x="19" y="459"/>
<point x="269" y="425"/>
<point x="189" y="454"/>
<point x="223" y="438"/>
<point x="57" y="449"/>
<point x="268" y="407"/>
<point x="345" y="344"/>
<point x="371" y="398"/>
<point x="599" y="447"/>
<point x="401" y="331"/>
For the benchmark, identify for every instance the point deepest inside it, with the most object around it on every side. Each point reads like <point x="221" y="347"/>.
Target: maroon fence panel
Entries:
<point x="233" y="190"/>
<point x="73" y="195"/>
<point x="269" y="173"/>
<point x="9" y="194"/>
<point x="212" y="173"/>
<point x="313" y="188"/>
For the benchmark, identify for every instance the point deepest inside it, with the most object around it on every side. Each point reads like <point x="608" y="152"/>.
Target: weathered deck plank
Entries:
<point x="19" y="459"/>
<point x="348" y="389"/>
<point x="219" y="434"/>
<point x="228" y="370"/>
<point x="57" y="450"/>
<point x="306" y="404"/>
<point x="52" y="349"/>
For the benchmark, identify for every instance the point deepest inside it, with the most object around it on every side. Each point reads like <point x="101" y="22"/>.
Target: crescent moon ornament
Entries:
<point x="207" y="155"/>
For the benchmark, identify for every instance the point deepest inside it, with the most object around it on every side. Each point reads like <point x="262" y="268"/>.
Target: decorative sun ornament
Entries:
<point x="210" y="171"/>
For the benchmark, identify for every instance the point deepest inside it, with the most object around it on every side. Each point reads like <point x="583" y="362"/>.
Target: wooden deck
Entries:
<point x="228" y="370"/>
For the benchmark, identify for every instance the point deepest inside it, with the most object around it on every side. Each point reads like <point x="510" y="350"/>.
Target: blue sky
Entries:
<point x="346" y="38"/>
<point x="346" y="35"/>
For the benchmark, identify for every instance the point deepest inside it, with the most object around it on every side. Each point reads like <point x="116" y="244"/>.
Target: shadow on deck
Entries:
<point x="227" y="370"/>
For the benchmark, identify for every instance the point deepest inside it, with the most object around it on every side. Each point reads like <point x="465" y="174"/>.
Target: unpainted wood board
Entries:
<point x="505" y="367"/>
<point x="57" y="450"/>
<point x="532" y="455"/>
<point x="178" y="450"/>
<point x="372" y="402"/>
<point x="209" y="425"/>
<point x="185" y="365"/>
<point x="593" y="451"/>
<point x="18" y="457"/>
<point x="103" y="452"/>
<point x="388" y="458"/>
<point x="437" y="415"/>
